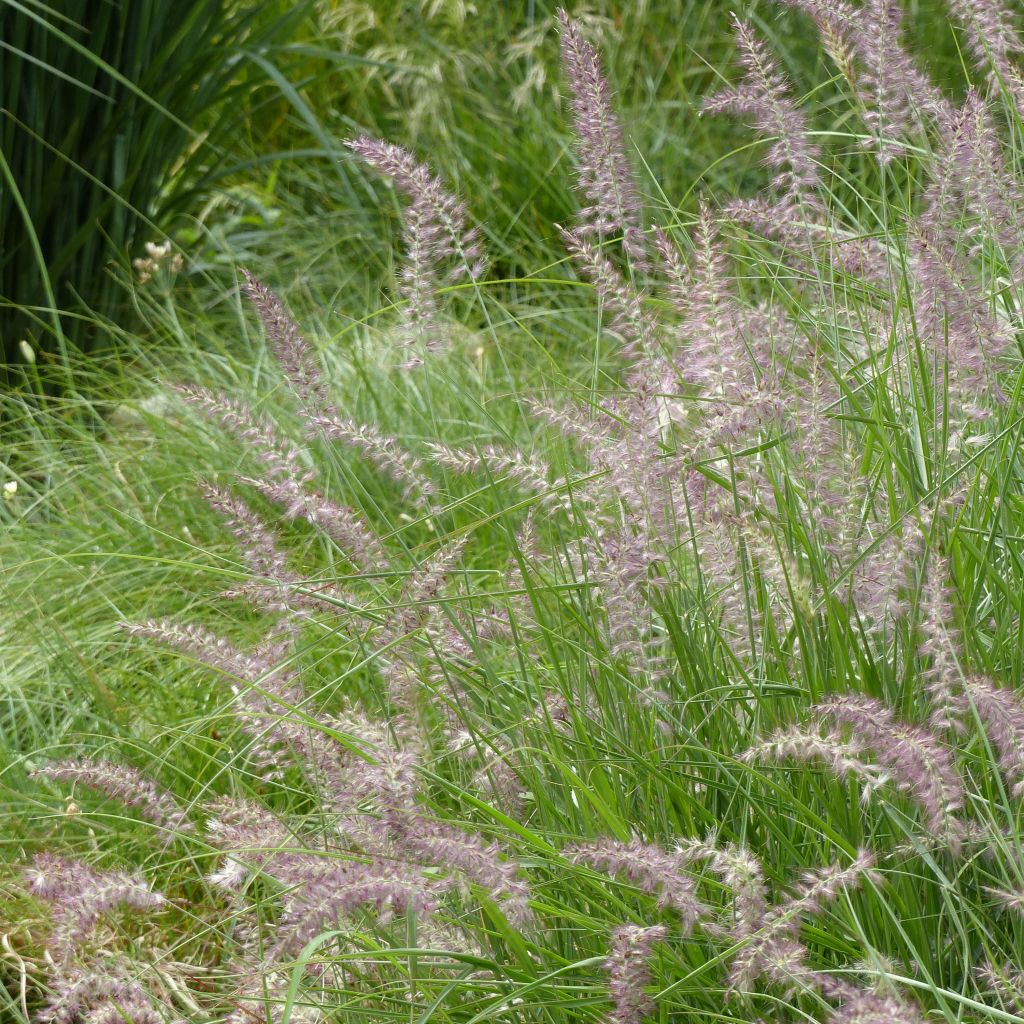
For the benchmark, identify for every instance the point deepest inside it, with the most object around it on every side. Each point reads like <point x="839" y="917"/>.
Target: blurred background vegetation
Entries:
<point x="219" y="125"/>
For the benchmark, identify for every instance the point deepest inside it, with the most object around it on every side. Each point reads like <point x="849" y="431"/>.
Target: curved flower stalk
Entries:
<point x="897" y="98"/>
<point x="741" y="872"/>
<point x="525" y="470"/>
<point x="384" y="452"/>
<point x="972" y="177"/>
<point x="1001" y="713"/>
<point x="287" y="475"/>
<point x="763" y="95"/>
<point x="845" y="758"/>
<point x="917" y="762"/>
<point x="439" y="246"/>
<point x="629" y="319"/>
<point x="775" y="949"/>
<point x="126" y="784"/>
<point x="860" y="1006"/>
<point x="276" y="588"/>
<point x="908" y="756"/>
<point x="649" y="868"/>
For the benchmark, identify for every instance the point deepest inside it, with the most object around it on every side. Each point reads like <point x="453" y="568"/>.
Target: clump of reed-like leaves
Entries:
<point x="754" y="542"/>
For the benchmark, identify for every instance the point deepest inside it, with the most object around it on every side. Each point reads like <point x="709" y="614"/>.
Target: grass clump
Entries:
<point x="646" y="652"/>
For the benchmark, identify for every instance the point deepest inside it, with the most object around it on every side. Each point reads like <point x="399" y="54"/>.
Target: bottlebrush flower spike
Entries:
<point x="1001" y="712"/>
<point x="715" y="353"/>
<point x="525" y="470"/>
<point x="940" y="644"/>
<point x="292" y="351"/>
<point x="993" y="42"/>
<point x="101" y="993"/>
<point x="605" y="176"/>
<point x="896" y="95"/>
<point x="273" y="707"/>
<point x="763" y="95"/>
<point x="742" y="873"/>
<point x="917" y="762"/>
<point x="1006" y="981"/>
<point x="287" y="475"/>
<point x="438" y="845"/>
<point x="648" y="867"/>
<point x="384" y="452"/>
<point x="211" y="649"/>
<point x="844" y="758"/>
<point x="325" y="891"/>
<point x="955" y="321"/>
<point x="277" y="588"/>
<point x="775" y="948"/>
<point x="126" y="784"/>
<point x="252" y="838"/>
<point x="629" y="319"/>
<point x="79" y="896"/>
<point x="619" y="564"/>
<point x="677" y="273"/>
<point x="436" y="235"/>
<point x="972" y="175"/>
<point x="1012" y="900"/>
<point x="860" y="1006"/>
<point x="628" y="972"/>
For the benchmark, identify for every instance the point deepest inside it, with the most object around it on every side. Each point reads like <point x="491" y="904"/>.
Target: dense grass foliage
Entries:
<point x="102" y="104"/>
<point x="634" y="638"/>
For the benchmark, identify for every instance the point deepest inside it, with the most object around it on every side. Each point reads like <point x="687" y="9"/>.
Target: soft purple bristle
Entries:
<point x="440" y="247"/>
<point x="605" y="176"/>
<point x="292" y="351"/>
<point x="628" y="972"/>
<point x="648" y="867"/>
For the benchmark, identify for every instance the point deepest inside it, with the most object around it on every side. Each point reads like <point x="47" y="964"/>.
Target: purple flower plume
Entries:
<point x="649" y="868"/>
<point x="126" y="784"/>
<point x="940" y="643"/>
<point x="292" y="351"/>
<point x="287" y="476"/>
<point x="741" y="872"/>
<point x="384" y="452"/>
<point x="973" y="176"/>
<point x="628" y="972"/>
<point x="525" y="470"/>
<point x="79" y="896"/>
<point x="913" y="757"/>
<point x="277" y="588"/>
<point x="605" y="176"/>
<point x="860" y="1006"/>
<point x="994" y="42"/>
<point x="895" y="94"/>
<point x="775" y="948"/>
<point x="101" y="993"/>
<point x="763" y="95"/>
<point x="1001" y="713"/>
<point x="629" y="319"/>
<point x="439" y="845"/>
<point x="327" y="890"/>
<point x="954" y="319"/>
<point x="436" y="236"/>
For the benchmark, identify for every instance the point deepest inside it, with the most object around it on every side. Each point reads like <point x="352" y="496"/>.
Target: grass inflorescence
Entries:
<point x="634" y="640"/>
